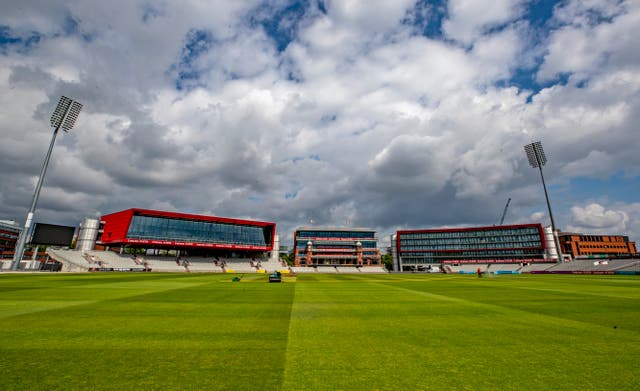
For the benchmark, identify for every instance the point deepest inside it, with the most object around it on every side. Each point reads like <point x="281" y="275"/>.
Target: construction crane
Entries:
<point x="504" y="213"/>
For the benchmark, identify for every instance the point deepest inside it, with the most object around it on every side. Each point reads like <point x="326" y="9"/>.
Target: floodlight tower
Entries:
<point x="537" y="159"/>
<point x="64" y="116"/>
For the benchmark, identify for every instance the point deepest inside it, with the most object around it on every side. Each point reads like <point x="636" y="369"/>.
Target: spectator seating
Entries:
<point x="629" y="265"/>
<point x="202" y="264"/>
<point x="452" y="269"/>
<point x="303" y="269"/>
<point x="109" y="259"/>
<point x="327" y="269"/>
<point x="71" y="260"/>
<point x="239" y="265"/>
<point x="593" y="265"/>
<point x="536" y="267"/>
<point x="495" y="267"/>
<point x="158" y="263"/>
<point x="373" y="269"/>
<point x="576" y="265"/>
<point x="271" y="265"/>
<point x="473" y="268"/>
<point x="347" y="269"/>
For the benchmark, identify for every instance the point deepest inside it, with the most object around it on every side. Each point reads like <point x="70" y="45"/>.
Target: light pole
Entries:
<point x="537" y="159"/>
<point x="64" y="116"/>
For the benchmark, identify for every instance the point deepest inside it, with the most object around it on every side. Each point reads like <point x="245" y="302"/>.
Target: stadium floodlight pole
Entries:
<point x="537" y="159"/>
<point x="64" y="116"/>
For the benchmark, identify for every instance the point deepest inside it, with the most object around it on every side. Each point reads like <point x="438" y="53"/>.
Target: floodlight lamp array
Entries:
<point x="535" y="154"/>
<point x="66" y="113"/>
<point x="72" y="116"/>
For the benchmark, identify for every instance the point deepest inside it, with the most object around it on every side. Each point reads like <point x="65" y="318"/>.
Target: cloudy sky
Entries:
<point x="382" y="114"/>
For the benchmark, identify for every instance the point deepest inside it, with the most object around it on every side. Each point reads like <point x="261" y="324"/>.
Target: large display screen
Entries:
<point x="54" y="235"/>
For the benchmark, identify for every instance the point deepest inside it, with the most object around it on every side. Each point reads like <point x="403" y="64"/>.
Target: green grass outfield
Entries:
<point x="394" y="332"/>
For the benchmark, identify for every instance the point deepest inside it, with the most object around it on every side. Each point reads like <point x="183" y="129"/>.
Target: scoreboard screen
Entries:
<point x="54" y="235"/>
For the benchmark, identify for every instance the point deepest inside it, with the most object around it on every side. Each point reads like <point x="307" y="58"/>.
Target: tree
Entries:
<point x="287" y="257"/>
<point x="387" y="261"/>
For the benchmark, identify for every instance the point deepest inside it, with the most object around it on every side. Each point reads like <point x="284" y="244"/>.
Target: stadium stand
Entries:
<point x="472" y="268"/>
<point x="303" y="269"/>
<point x="536" y="267"/>
<point x="270" y="265"/>
<point x="347" y="269"/>
<point x="566" y="267"/>
<point x="592" y="266"/>
<point x="451" y="269"/>
<point x="71" y="260"/>
<point x="202" y="264"/>
<point x="632" y="266"/>
<point x="158" y="263"/>
<point x="327" y="269"/>
<point x="240" y="265"/>
<point x="576" y="265"/>
<point x="115" y="261"/>
<point x="373" y="269"/>
<point x="496" y="267"/>
<point x="624" y="264"/>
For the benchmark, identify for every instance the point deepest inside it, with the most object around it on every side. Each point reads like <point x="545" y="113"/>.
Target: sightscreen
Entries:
<point x="54" y="235"/>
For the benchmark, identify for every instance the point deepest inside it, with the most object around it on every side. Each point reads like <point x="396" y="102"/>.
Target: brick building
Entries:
<point x="582" y="245"/>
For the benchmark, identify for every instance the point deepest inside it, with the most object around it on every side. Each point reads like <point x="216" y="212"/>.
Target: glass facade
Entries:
<point x="336" y="234"/>
<point x="161" y="228"/>
<point x="515" y="242"/>
<point x="8" y="238"/>
<point x="337" y="247"/>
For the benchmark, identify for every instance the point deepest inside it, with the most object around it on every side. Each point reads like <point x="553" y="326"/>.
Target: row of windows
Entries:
<point x="337" y="234"/>
<point x="9" y="235"/>
<point x="147" y="227"/>
<point x="471" y="246"/>
<point x="365" y="244"/>
<point x="493" y="239"/>
<point x="475" y="254"/>
<point x="470" y="234"/>
<point x="408" y="261"/>
<point x="598" y="238"/>
<point x="345" y="247"/>
<point x="610" y="245"/>
<point x="328" y="252"/>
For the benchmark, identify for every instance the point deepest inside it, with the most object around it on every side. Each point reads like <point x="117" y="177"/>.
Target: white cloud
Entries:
<point x="595" y="164"/>
<point x="584" y="47"/>
<point x="594" y="218"/>
<point x="468" y="19"/>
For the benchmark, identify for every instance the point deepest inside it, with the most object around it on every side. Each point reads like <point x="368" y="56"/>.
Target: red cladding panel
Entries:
<point x="116" y="226"/>
<point x="187" y="216"/>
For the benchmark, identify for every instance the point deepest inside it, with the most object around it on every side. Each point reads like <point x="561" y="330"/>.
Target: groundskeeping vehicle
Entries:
<point x="275" y="277"/>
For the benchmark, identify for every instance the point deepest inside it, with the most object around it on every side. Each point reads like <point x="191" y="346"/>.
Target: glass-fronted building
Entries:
<point x="157" y="229"/>
<point x="417" y="249"/>
<point x="9" y="232"/>
<point x="336" y="247"/>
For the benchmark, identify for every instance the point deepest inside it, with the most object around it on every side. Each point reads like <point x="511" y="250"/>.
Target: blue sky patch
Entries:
<point x="197" y="43"/>
<point x="281" y="24"/>
<point x="539" y="12"/>
<point x="427" y="17"/>
<point x="626" y="188"/>
<point x="21" y="44"/>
